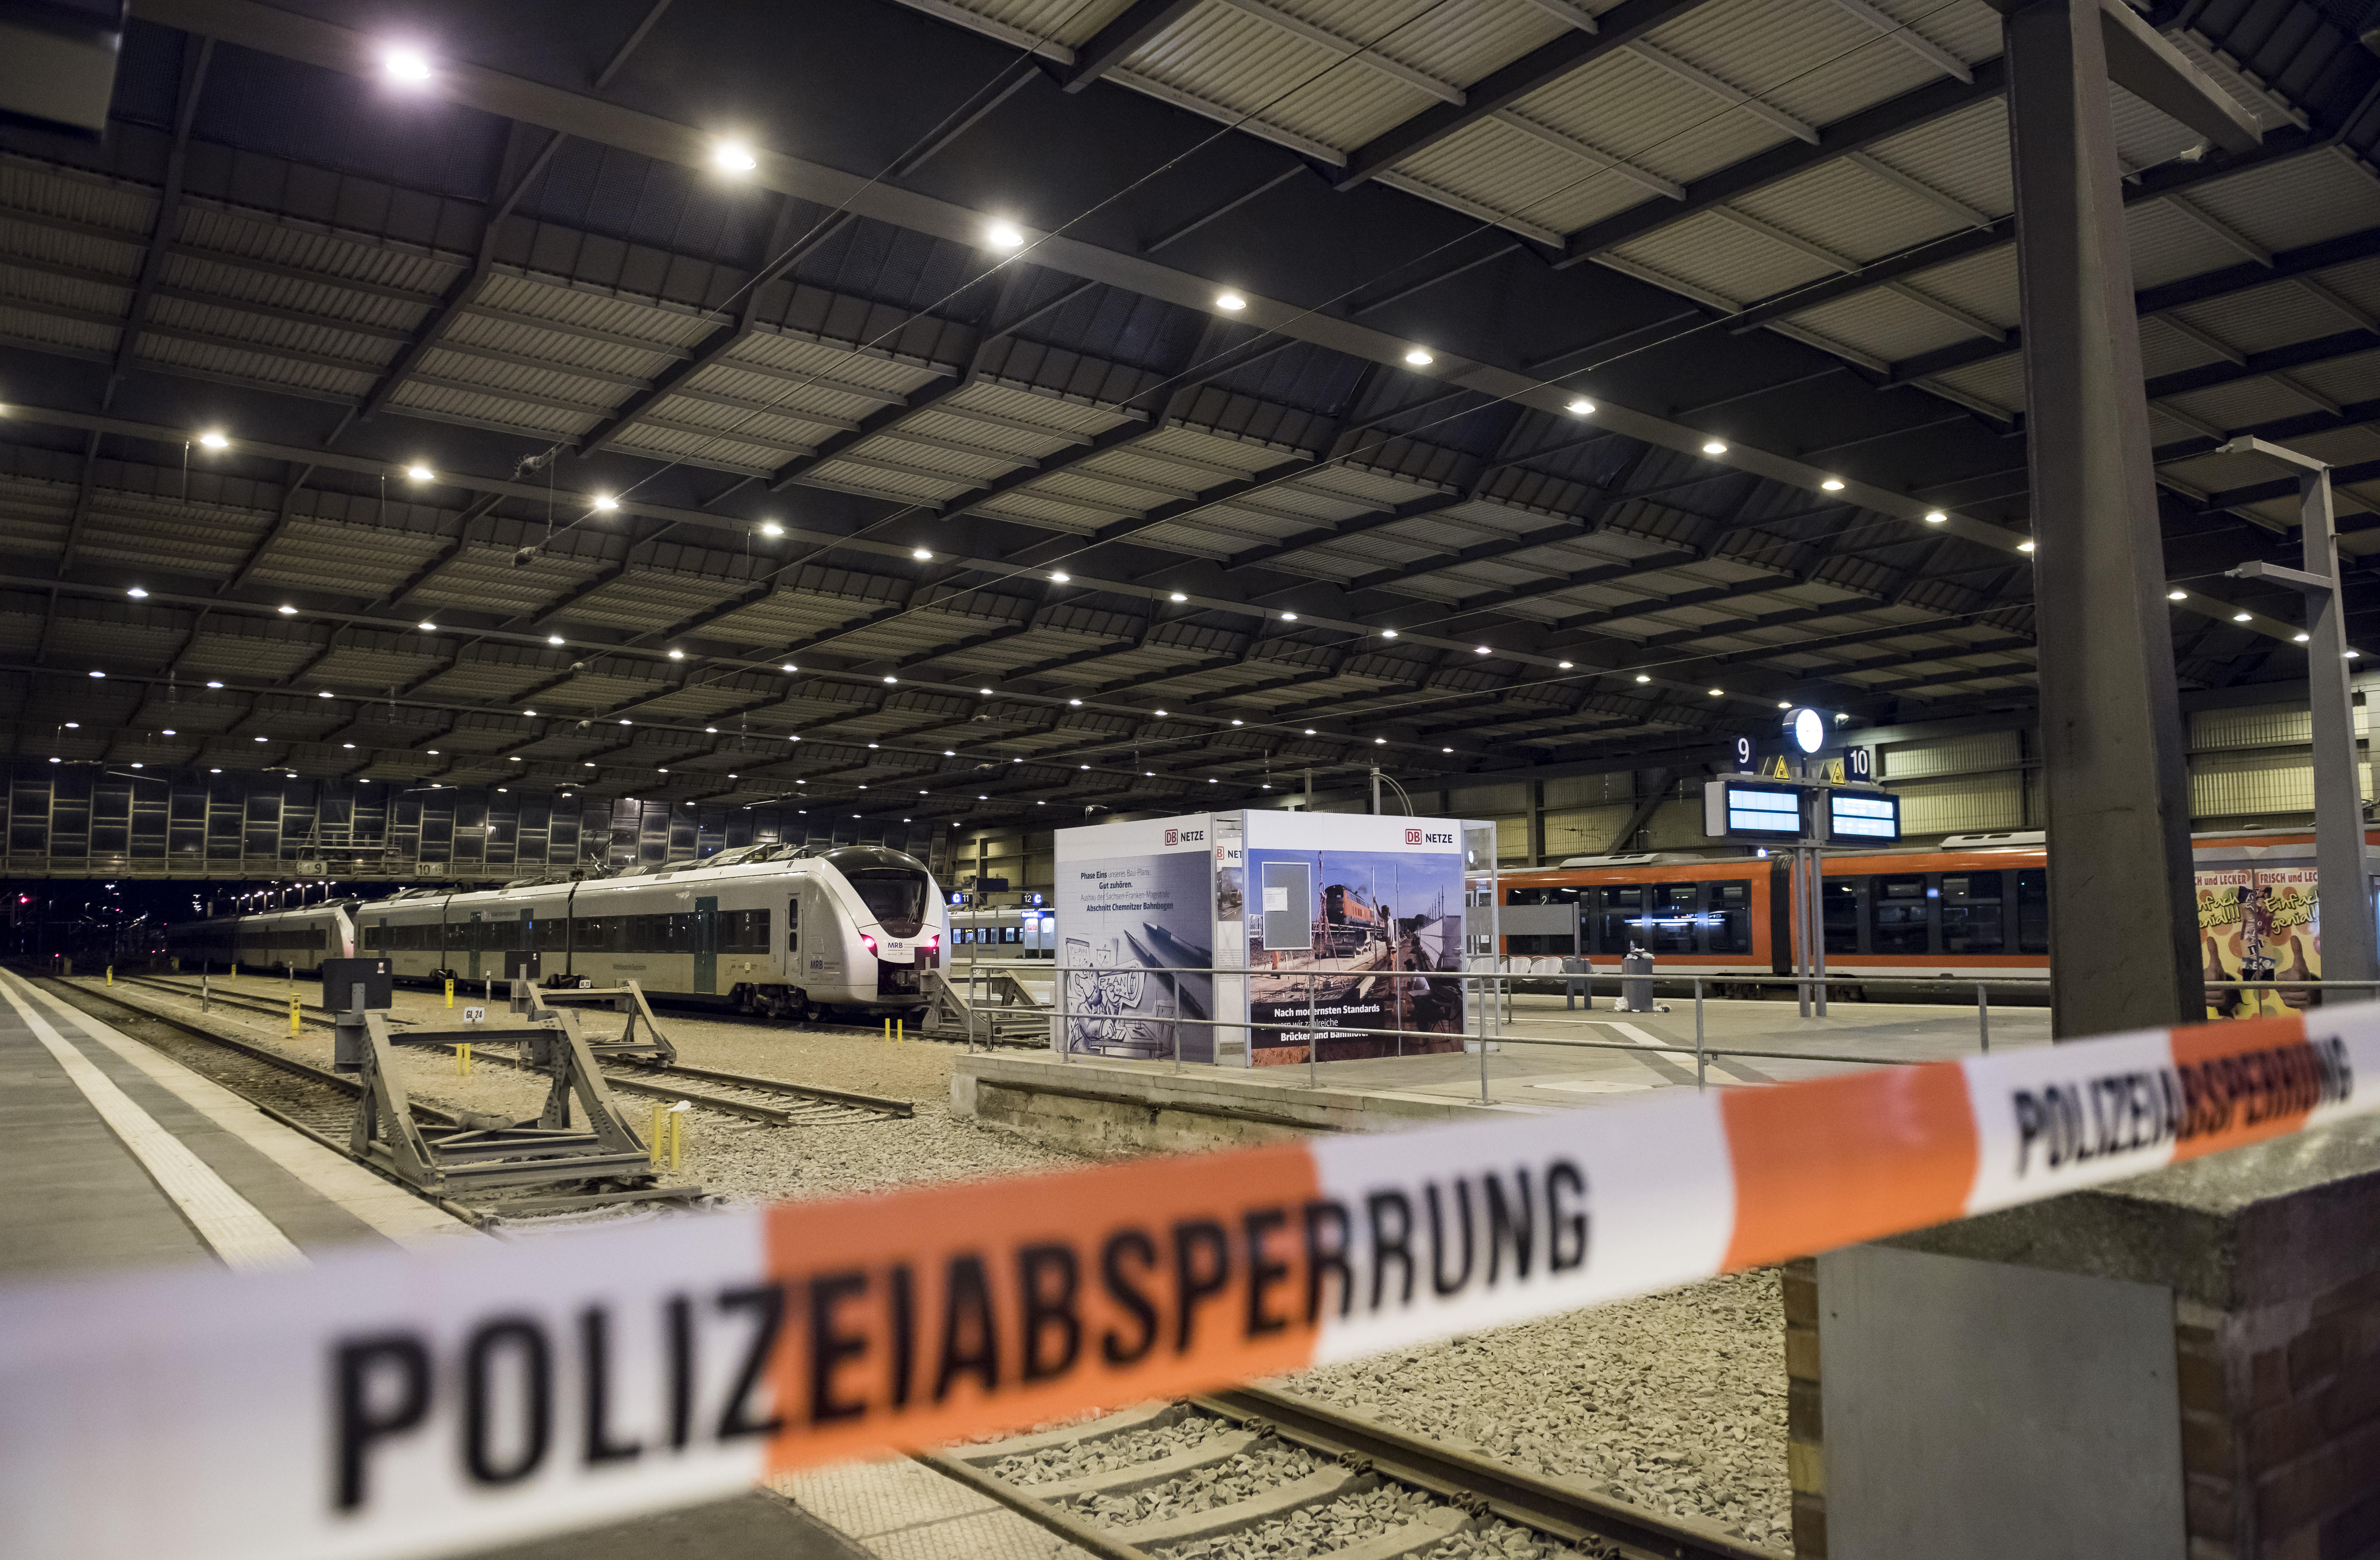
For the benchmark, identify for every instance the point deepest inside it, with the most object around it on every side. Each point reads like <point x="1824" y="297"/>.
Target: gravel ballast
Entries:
<point x="1674" y="1402"/>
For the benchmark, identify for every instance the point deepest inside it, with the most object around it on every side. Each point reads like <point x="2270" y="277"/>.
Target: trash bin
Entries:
<point x="1572" y="990"/>
<point x="1637" y="995"/>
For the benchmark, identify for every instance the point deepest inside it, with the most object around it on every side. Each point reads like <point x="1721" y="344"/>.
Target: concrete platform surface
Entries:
<point x="119" y="1157"/>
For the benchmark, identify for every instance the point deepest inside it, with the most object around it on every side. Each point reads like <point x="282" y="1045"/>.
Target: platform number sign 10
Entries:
<point x="1859" y="765"/>
<point x="1742" y="749"/>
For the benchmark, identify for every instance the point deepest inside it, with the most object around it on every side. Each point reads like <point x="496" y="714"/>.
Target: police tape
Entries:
<point x="385" y="1404"/>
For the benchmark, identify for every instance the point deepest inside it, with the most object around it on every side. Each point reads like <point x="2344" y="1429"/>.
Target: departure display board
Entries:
<point x="1862" y="818"/>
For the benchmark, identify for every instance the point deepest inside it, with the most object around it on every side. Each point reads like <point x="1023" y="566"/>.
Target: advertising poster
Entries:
<point x="1136" y="908"/>
<point x="2259" y="924"/>
<point x="1354" y="936"/>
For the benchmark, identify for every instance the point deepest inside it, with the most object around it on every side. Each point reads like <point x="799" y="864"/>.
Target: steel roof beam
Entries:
<point x="1106" y="48"/>
<point x="196" y="55"/>
<point x="1616" y="29"/>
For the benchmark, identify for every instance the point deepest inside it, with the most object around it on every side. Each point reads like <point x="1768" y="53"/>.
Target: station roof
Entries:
<point x="1003" y="405"/>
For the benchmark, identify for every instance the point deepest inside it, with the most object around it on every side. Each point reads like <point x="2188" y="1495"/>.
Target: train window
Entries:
<point x="1728" y="921"/>
<point x="1970" y="913"/>
<point x="794" y="923"/>
<point x="1839" y="905"/>
<point x="1539" y="945"/>
<point x="551" y="935"/>
<point x="743" y="931"/>
<point x="1622" y="905"/>
<point x="1671" y="918"/>
<point x="1543" y="896"/>
<point x="2033" y="911"/>
<point x="1898" y="915"/>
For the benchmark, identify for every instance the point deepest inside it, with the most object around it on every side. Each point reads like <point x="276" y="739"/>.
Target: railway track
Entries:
<point x="774" y="1101"/>
<point x="1276" y="1474"/>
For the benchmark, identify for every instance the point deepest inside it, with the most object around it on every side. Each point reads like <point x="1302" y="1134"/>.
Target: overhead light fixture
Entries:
<point x="170" y="732"/>
<point x="605" y="503"/>
<point x="419" y="473"/>
<point x="985" y="692"/>
<point x="892" y="680"/>
<point x="1230" y="302"/>
<point x="625" y="722"/>
<point x="1446" y="750"/>
<point x="920" y="553"/>
<point x="137" y="594"/>
<point x="214" y="685"/>
<point x="1238" y="722"/>
<point x="427" y="627"/>
<point x="711" y="730"/>
<point x="2303" y="637"/>
<point x="1562" y="665"/>
<point x="1289" y="617"/>
<point x="1832" y="485"/>
<point x="287" y="610"/>
<point x="74" y="725"/>
<point x="1784" y="704"/>
<point x="770" y="528"/>
<point x="1713" y="447"/>
<point x="2176" y="595"/>
<point x="732" y="157"/>
<point x="789" y="665"/>
<point x="214" y="439"/>
<point x="1717" y="692"/>
<point x="1641" y="677"/>
<point x="1935" y="518"/>
<point x="2352" y="654"/>
<point x="2024" y="546"/>
<point x="677" y="655"/>
<point x="1309" y="731"/>
<point x="103" y="675"/>
<point x="1075" y="702"/>
<point x="528" y="712"/>
<point x="554" y="638"/>
<point x="1388" y="634"/>
<point x="409" y="66"/>
<point x="1419" y="358"/>
<point x="2241" y="617"/>
<point x="1161" y="712"/>
<point x="1582" y="406"/>
<point x="1481" y="650"/>
<point x="1177" y="596"/>
<point x="1005" y="236"/>
<point x="1061" y="576"/>
<point x="323" y="694"/>
<point x="1380" y="742"/>
<point x="512" y="759"/>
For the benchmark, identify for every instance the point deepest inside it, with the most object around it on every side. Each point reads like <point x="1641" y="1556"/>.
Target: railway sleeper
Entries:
<point x="1321" y="1486"/>
<point x="1146" y="1475"/>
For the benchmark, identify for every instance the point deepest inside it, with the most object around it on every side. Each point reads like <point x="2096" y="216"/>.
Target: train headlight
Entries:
<point x="869" y="943"/>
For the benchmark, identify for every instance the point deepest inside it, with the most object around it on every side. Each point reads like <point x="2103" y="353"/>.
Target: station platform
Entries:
<point x="1541" y="1059"/>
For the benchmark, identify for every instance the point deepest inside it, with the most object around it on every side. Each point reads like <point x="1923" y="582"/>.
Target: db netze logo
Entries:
<point x="1173" y="837"/>
<point x="1413" y="836"/>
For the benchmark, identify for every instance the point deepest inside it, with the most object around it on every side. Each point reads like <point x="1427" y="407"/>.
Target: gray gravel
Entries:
<point x="1675" y="1402"/>
<point x="1074" y="1458"/>
<point x="1252" y="1472"/>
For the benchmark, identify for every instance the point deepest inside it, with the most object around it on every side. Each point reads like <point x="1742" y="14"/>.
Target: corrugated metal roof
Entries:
<point x="1884" y="324"/>
<point x="210" y="227"/>
<point x="489" y="410"/>
<point x="76" y="196"/>
<point x="1964" y="155"/>
<point x="1250" y="66"/>
<point x="1710" y="252"/>
<point x="1636" y="111"/>
<point x="792" y="355"/>
<point x="2295" y="202"/>
<point x="705" y="449"/>
<point x="258" y="366"/>
<point x="1501" y="165"/>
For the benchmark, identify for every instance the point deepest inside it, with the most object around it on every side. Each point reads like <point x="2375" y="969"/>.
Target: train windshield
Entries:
<point x="895" y="896"/>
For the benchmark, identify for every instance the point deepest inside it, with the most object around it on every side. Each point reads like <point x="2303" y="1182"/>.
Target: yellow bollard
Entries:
<point x="678" y="1131"/>
<point x="901" y="1030"/>
<point x="888" y="1031"/>
<point x="463" y="1060"/>
<point x="450" y="991"/>
<point x="653" y="1138"/>
<point x="293" y="1015"/>
<point x="111" y="974"/>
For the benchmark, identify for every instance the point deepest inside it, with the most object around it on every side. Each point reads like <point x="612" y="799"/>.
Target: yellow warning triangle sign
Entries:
<point x="1775" y="769"/>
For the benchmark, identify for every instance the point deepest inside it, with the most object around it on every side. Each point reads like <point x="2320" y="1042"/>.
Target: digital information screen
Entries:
<point x="1734" y="810"/>
<point x="1863" y="815"/>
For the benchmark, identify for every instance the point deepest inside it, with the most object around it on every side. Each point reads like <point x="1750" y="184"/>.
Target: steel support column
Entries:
<point x="2351" y="941"/>
<point x="2123" y="933"/>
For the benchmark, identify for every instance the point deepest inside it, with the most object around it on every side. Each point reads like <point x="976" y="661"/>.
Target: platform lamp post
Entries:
<point x="2350" y="944"/>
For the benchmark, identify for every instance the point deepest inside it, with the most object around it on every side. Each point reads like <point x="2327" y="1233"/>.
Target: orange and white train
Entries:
<point x="1975" y="907"/>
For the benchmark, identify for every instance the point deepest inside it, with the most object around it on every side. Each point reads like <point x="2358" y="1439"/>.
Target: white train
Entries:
<point x="783" y="930"/>
<point x="1004" y="932"/>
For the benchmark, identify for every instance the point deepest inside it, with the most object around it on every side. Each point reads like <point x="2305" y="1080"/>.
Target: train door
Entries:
<point x="793" y="936"/>
<point x="477" y="938"/>
<point x="706" y="946"/>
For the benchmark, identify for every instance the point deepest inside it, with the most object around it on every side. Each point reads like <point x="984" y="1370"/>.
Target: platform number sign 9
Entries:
<point x="1742" y="749"/>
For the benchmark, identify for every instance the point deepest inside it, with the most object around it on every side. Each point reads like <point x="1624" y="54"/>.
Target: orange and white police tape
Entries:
<point x="386" y="1404"/>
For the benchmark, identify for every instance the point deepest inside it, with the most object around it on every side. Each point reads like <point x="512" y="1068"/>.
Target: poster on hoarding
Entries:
<point x="2259" y="924"/>
<point x="1136" y="907"/>
<point x="1363" y="918"/>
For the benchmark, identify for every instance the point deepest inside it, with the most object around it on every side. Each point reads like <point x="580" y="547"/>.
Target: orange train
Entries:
<point x="1975" y="907"/>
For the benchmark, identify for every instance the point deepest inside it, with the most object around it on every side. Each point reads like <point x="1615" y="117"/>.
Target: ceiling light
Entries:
<point x="1388" y="634"/>
<point x="219" y="771"/>
<point x="1005" y="236"/>
<point x="61" y="761"/>
<point x="528" y="712"/>
<point x="770" y="528"/>
<point x="732" y="157"/>
<point x="259" y="739"/>
<point x="1289" y="617"/>
<point x="663" y="771"/>
<point x="1832" y="484"/>
<point x="1935" y="518"/>
<point x="1716" y="693"/>
<point x="1235" y="722"/>
<point x="1380" y="742"/>
<point x="1309" y="731"/>
<point x="985" y="692"/>
<point x="1161" y="712"/>
<point x="287" y="610"/>
<point x="1075" y="702"/>
<point x="789" y="665"/>
<point x="2024" y="546"/>
<point x="1713" y="447"/>
<point x="625" y="722"/>
<point x="677" y="655"/>
<point x="137" y="594"/>
<point x="554" y="638"/>
<point x="427" y="627"/>
<point x="1040" y="804"/>
<point x="1231" y="302"/>
<point x="138" y="764"/>
<point x="1061" y="576"/>
<point x="408" y="65"/>
<point x="1480" y="650"/>
<point x="2241" y="617"/>
<point x="2352" y="654"/>
<point x="949" y="753"/>
<point x="214" y="685"/>
<point x="2176" y="595"/>
<point x="1582" y="406"/>
<point x="420" y="473"/>
<point x="170" y="732"/>
<point x="871" y="744"/>
<point x="1446" y="750"/>
<point x="1643" y="678"/>
<point x="605" y="503"/>
<point x="1177" y="596"/>
<point x="1784" y="704"/>
<point x="103" y="675"/>
<point x="323" y="694"/>
<point x="891" y="679"/>
<point x="588" y="764"/>
<point x="432" y="751"/>
<point x="920" y="553"/>
<point x="2303" y="637"/>
<point x="1563" y="665"/>
<point x="1419" y="358"/>
<point x="514" y="759"/>
<point x="74" y="725"/>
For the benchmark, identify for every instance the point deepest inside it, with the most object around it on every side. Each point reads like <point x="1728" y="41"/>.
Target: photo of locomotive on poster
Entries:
<point x="1975" y="907"/>
<point x="786" y="931"/>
